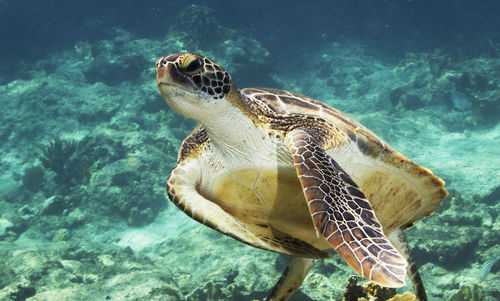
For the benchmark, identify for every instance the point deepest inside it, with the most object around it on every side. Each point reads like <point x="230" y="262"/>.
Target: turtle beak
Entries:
<point x="176" y="89"/>
<point x="162" y="71"/>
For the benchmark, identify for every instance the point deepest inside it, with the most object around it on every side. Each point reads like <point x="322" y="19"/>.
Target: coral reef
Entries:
<point x="22" y="293"/>
<point x="121" y="190"/>
<point x="85" y="216"/>
<point x="108" y="64"/>
<point x="199" y="28"/>
<point x="428" y="242"/>
<point x="372" y="292"/>
<point x="5" y="226"/>
<point x="438" y="80"/>
<point x="468" y="293"/>
<point x="211" y="291"/>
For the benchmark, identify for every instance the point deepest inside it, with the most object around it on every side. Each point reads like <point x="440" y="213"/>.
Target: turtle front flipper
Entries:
<point x="342" y="214"/>
<point x="183" y="192"/>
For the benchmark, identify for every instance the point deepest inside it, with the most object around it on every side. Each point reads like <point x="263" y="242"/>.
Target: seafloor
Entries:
<point x="87" y="144"/>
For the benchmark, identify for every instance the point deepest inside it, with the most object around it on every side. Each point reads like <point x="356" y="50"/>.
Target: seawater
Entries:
<point x="88" y="143"/>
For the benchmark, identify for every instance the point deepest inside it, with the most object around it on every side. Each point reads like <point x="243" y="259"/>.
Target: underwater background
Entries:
<point x="87" y="143"/>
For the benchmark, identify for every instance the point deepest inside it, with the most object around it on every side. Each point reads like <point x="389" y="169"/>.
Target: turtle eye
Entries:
<point x="193" y="66"/>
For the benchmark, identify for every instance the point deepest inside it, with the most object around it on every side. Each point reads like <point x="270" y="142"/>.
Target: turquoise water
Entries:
<point x="88" y="143"/>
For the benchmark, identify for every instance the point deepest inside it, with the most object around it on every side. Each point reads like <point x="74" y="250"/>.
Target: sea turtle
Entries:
<point x="286" y="173"/>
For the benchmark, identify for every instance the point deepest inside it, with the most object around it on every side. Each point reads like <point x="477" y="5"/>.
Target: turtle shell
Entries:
<point x="400" y="191"/>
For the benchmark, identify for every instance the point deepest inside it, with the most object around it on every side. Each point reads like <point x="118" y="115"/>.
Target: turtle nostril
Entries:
<point x="161" y="63"/>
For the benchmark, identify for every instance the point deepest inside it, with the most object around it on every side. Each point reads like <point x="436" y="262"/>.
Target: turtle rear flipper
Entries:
<point x="342" y="214"/>
<point x="398" y="239"/>
<point x="291" y="279"/>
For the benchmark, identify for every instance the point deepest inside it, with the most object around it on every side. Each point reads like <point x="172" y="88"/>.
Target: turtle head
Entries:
<point x="192" y="84"/>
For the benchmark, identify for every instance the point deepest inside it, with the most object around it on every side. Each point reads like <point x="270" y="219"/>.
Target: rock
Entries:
<point x="26" y="212"/>
<point x="8" y="186"/>
<point x="200" y="27"/>
<point x="4" y="226"/>
<point x="468" y="292"/>
<point x="412" y="102"/>
<point x="70" y="293"/>
<point x="124" y="190"/>
<point x="106" y="259"/>
<point x="22" y="293"/>
<point x="90" y="278"/>
<point x="215" y="290"/>
<point x="461" y="243"/>
<point x="75" y="218"/>
<point x="61" y="235"/>
<point x="54" y="205"/>
<point x="146" y="284"/>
